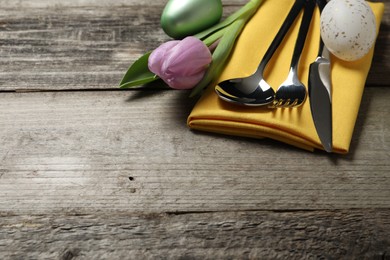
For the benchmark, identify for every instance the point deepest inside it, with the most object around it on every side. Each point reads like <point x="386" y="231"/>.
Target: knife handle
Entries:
<point x="321" y="4"/>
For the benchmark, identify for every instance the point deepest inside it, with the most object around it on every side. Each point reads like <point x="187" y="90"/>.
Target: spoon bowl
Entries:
<point x="241" y="91"/>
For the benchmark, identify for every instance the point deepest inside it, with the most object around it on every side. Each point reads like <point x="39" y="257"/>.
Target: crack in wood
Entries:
<point x="248" y="211"/>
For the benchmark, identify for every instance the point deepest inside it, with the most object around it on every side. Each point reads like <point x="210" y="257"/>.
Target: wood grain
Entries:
<point x="90" y="172"/>
<point x="85" y="44"/>
<point x="75" y="152"/>
<point x="83" y="3"/>
<point x="353" y="234"/>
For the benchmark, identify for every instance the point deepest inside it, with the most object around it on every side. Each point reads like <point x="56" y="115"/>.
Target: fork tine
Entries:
<point x="274" y="103"/>
<point x="295" y="103"/>
<point x="287" y="103"/>
<point x="279" y="102"/>
<point x="282" y="103"/>
<point x="291" y="104"/>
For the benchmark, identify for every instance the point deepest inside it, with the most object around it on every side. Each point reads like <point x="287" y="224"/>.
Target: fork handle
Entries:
<point x="294" y="11"/>
<point x="303" y="29"/>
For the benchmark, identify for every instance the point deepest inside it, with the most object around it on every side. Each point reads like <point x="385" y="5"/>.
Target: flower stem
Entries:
<point x="227" y="36"/>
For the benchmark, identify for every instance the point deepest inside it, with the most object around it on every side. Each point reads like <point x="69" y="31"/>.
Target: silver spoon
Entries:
<point x="254" y="90"/>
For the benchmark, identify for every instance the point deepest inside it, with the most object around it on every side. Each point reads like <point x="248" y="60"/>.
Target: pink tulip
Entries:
<point x="181" y="64"/>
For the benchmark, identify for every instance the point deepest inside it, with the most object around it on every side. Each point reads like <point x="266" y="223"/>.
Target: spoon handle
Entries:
<point x="294" y="11"/>
<point x="303" y="29"/>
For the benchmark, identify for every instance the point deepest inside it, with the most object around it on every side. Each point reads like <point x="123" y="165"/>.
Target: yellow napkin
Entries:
<point x="293" y="126"/>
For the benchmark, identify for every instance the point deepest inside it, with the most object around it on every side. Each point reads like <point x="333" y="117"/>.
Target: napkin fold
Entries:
<point x="292" y="126"/>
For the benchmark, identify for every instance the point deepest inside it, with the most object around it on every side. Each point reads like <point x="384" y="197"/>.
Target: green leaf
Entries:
<point x="138" y="74"/>
<point x="220" y="25"/>
<point x="249" y="8"/>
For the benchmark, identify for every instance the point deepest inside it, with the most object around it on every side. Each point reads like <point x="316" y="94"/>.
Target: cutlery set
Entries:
<point x="255" y="91"/>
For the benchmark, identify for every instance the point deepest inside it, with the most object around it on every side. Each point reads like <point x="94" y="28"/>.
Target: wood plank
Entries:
<point x="72" y="47"/>
<point x="83" y="3"/>
<point x="131" y="151"/>
<point x="85" y="44"/>
<point x="353" y="234"/>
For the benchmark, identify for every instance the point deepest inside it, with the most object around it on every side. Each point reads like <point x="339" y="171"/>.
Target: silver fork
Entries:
<point x="292" y="92"/>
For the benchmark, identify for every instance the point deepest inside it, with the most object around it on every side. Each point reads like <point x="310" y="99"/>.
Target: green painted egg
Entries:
<point x="182" y="18"/>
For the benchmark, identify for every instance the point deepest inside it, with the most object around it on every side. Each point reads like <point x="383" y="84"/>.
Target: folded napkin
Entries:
<point x="292" y="126"/>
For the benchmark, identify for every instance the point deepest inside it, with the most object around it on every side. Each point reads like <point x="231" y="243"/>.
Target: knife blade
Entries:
<point x="320" y="93"/>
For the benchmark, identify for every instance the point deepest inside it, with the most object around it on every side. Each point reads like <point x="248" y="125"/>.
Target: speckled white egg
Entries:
<point x="348" y="28"/>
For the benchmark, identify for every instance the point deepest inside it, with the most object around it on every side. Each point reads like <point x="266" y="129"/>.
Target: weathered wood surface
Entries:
<point x="75" y="151"/>
<point x="85" y="44"/>
<point x="117" y="174"/>
<point x="83" y="3"/>
<point x="353" y="234"/>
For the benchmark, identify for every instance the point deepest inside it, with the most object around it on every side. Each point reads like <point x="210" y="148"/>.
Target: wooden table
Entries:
<point x="88" y="171"/>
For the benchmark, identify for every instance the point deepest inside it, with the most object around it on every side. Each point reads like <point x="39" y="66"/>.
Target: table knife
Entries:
<point x="320" y="93"/>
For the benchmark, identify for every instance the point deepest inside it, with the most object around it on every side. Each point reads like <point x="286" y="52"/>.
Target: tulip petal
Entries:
<point x="186" y="82"/>
<point x="189" y="56"/>
<point x="157" y="57"/>
<point x="181" y="64"/>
